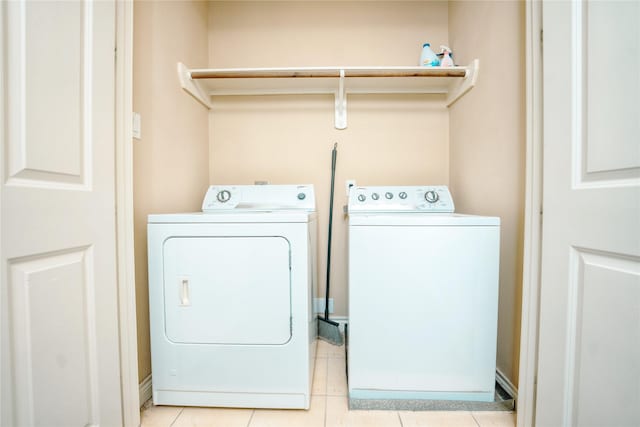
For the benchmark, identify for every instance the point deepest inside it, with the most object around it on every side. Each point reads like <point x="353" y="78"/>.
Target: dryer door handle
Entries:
<point x="184" y="293"/>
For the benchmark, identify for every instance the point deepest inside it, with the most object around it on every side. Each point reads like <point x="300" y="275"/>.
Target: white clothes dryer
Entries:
<point x="230" y="299"/>
<point x="423" y="297"/>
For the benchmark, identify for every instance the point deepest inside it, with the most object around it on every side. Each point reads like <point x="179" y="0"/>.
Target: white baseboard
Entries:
<point x="506" y="384"/>
<point x="145" y="390"/>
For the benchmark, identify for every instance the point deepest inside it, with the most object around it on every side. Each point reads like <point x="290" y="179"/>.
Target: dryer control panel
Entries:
<point x="259" y="198"/>
<point x="426" y="198"/>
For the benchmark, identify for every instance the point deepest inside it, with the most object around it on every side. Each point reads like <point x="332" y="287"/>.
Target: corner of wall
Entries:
<point x="487" y="145"/>
<point x="171" y="166"/>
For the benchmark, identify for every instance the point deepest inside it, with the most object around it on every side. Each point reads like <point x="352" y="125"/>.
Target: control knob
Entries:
<point x="301" y="196"/>
<point x="431" y="196"/>
<point x="223" y="196"/>
<point x="388" y="195"/>
<point x="403" y="195"/>
<point x="375" y="196"/>
<point x="362" y="197"/>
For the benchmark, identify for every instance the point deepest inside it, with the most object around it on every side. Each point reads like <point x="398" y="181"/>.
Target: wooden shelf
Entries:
<point x="203" y="84"/>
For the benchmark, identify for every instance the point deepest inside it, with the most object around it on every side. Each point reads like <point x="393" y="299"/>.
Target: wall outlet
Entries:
<point x="348" y="184"/>
<point x="318" y="305"/>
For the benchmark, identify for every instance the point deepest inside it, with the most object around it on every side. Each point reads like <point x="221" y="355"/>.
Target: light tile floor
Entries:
<point x="329" y="408"/>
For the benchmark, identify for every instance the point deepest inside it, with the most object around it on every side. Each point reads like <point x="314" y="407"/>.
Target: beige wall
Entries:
<point x="487" y="145"/>
<point x="171" y="160"/>
<point x="390" y="139"/>
<point x="316" y="33"/>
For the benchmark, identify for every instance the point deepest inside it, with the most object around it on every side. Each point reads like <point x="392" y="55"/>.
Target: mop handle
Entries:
<point x="334" y="154"/>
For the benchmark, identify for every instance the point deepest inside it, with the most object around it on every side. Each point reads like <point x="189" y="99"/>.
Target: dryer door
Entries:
<point x="227" y="290"/>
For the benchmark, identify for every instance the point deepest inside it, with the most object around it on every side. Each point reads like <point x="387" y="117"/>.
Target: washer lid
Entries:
<point x="421" y="219"/>
<point x="281" y="216"/>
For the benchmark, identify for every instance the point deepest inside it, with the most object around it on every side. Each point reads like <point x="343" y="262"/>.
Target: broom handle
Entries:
<point x="334" y="154"/>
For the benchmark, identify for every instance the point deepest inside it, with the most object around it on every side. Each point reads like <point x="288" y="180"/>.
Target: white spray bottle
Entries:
<point x="446" y="60"/>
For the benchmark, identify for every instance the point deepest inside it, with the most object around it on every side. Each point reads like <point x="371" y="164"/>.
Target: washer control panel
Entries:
<point x="259" y="198"/>
<point x="426" y="198"/>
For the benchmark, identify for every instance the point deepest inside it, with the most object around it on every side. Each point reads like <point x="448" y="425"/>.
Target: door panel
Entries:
<point x="227" y="290"/>
<point x="610" y="69"/>
<point x="589" y="345"/>
<point x="53" y="27"/>
<point x="60" y="347"/>
<point x="605" y="298"/>
<point x="50" y="93"/>
<point x="53" y="314"/>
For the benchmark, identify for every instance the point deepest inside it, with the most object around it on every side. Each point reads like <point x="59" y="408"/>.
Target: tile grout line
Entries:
<point x="474" y="419"/>
<point x="176" y="418"/>
<point x="326" y="379"/>
<point x="326" y="387"/>
<point x="251" y="418"/>
<point x="326" y="404"/>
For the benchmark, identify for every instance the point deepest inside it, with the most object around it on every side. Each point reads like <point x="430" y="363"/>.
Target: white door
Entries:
<point x="589" y="344"/>
<point x="60" y="357"/>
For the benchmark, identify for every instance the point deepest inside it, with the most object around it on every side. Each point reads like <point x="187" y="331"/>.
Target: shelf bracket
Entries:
<point x="466" y="84"/>
<point x="192" y="87"/>
<point x="341" y="104"/>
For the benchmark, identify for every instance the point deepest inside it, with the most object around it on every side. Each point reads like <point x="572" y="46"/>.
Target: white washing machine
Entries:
<point x="230" y="295"/>
<point x="423" y="296"/>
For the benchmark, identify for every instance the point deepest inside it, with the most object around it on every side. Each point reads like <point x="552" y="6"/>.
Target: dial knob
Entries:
<point x="403" y="195"/>
<point x="388" y="195"/>
<point x="301" y="196"/>
<point x="431" y="196"/>
<point x="223" y="196"/>
<point x="362" y="197"/>
<point x="375" y="196"/>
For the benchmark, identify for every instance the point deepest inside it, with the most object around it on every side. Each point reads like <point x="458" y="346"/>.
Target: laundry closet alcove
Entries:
<point x="282" y="129"/>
